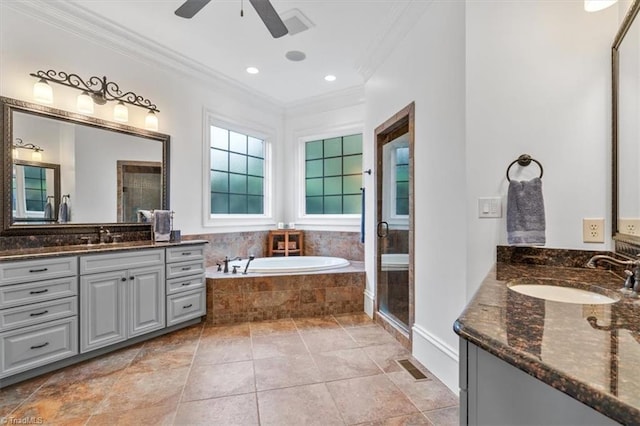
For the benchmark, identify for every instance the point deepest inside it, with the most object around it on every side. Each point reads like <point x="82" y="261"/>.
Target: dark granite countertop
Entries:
<point x="589" y="352"/>
<point x="34" y="253"/>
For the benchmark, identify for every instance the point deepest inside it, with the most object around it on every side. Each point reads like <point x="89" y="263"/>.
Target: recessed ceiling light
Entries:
<point x="330" y="77"/>
<point x="253" y="70"/>
<point x="295" y="55"/>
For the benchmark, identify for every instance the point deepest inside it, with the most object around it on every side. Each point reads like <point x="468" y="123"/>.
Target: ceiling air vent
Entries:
<point x="295" y="21"/>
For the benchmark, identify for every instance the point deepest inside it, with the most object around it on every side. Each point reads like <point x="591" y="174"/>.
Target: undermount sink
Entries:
<point x="563" y="294"/>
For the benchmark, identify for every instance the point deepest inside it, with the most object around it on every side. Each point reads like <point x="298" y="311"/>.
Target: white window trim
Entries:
<point x="322" y="222"/>
<point x="395" y="221"/>
<point x="238" y="222"/>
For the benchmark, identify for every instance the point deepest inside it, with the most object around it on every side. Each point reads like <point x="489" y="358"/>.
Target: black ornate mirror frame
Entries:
<point x="8" y="107"/>
<point x="624" y="244"/>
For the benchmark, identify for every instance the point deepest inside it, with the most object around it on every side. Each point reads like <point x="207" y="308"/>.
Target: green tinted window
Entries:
<point x="333" y="175"/>
<point x="237" y="173"/>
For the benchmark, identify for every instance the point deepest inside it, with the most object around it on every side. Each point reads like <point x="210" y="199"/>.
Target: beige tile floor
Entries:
<point x="335" y="370"/>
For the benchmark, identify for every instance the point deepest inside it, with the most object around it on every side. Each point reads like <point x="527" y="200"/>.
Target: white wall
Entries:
<point x="538" y="82"/>
<point x="428" y="68"/>
<point x="29" y="44"/>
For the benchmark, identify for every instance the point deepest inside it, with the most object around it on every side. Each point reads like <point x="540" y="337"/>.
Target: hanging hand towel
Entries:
<point x="362" y="205"/>
<point x="162" y="225"/>
<point x="48" y="210"/>
<point x="64" y="213"/>
<point x="525" y="213"/>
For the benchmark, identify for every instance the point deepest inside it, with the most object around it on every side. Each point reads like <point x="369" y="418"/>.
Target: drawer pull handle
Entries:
<point x="187" y="306"/>
<point x="39" y="291"/>
<point x="183" y="284"/>
<point x="40" y="346"/>
<point x="186" y="253"/>
<point x="39" y="270"/>
<point x="132" y="278"/>
<point x="123" y="279"/>
<point x="186" y="268"/>
<point x="37" y="314"/>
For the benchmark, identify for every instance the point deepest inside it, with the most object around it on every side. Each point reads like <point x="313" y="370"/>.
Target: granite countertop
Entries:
<point x="34" y="253"/>
<point x="589" y="352"/>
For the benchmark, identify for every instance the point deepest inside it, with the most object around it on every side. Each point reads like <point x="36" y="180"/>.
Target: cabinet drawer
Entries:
<point x="185" y="306"/>
<point x="29" y="347"/>
<point x="96" y="263"/>
<point x="22" y="294"/>
<point x="178" y="285"/>
<point x="37" y="313"/>
<point x="181" y="254"/>
<point x="37" y="270"/>
<point x="183" y="269"/>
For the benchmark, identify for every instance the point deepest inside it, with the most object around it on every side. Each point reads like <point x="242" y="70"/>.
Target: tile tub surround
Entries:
<point x="256" y="297"/>
<point x="316" y="243"/>
<point x="574" y="357"/>
<point x="260" y="373"/>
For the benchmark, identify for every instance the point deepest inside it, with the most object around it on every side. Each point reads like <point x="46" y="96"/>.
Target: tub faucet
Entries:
<point x="247" y="265"/>
<point x="226" y="263"/>
<point x="632" y="282"/>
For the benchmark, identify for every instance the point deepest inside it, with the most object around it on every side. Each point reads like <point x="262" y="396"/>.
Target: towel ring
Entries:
<point x="524" y="160"/>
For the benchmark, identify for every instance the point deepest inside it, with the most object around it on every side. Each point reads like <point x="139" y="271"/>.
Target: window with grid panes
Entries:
<point x="237" y="173"/>
<point x="35" y="188"/>
<point x="333" y="175"/>
<point x="402" y="181"/>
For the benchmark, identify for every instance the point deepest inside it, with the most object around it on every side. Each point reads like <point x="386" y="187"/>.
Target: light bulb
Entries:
<point x="36" y="156"/>
<point x="42" y="92"/>
<point x="596" y="5"/>
<point x="120" y="112"/>
<point x="151" y="121"/>
<point x="84" y="103"/>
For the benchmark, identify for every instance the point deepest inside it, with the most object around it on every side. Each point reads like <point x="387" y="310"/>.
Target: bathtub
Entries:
<point x="395" y="262"/>
<point x="291" y="264"/>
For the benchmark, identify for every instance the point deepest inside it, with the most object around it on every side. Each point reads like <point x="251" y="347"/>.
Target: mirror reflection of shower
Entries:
<point x="394" y="279"/>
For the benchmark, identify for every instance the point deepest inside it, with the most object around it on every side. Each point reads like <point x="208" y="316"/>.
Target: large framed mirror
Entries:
<point x="63" y="170"/>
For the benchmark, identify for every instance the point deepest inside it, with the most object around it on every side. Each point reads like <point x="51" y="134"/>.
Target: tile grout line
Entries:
<point x="175" y="413"/>
<point x="253" y="366"/>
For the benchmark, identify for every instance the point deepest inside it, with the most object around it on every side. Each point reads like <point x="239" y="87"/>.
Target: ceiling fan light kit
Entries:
<point x="263" y="8"/>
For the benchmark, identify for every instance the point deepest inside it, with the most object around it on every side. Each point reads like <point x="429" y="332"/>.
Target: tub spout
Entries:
<point x="247" y="265"/>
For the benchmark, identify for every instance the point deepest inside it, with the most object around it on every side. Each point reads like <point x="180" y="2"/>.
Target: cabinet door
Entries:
<point x="146" y="290"/>
<point x="102" y="310"/>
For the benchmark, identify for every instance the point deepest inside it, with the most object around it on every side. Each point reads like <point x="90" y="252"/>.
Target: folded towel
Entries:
<point x="362" y="217"/>
<point x="162" y="225"/>
<point x="145" y="216"/>
<point x="525" y="213"/>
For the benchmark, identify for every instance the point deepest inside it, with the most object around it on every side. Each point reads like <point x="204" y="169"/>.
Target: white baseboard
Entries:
<point x="369" y="302"/>
<point x="439" y="357"/>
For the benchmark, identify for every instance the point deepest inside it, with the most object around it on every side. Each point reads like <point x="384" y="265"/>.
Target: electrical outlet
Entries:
<point x="629" y="226"/>
<point x="593" y="230"/>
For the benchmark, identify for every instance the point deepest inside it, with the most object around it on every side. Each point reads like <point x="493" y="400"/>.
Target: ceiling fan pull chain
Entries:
<point x="241" y="8"/>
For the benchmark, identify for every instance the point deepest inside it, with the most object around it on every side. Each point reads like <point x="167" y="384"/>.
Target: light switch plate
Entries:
<point x="489" y="207"/>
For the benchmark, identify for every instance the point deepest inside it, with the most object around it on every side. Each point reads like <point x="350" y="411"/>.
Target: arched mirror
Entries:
<point x="625" y="60"/>
<point x="64" y="170"/>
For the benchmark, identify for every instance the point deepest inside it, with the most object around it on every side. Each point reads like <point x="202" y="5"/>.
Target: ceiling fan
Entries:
<point x="264" y="8"/>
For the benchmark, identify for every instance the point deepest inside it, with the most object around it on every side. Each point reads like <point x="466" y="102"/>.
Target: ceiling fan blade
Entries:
<point x="190" y="8"/>
<point x="270" y="17"/>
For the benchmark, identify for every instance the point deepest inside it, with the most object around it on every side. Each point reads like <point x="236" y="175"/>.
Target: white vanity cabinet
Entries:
<point x="186" y="283"/>
<point x="38" y="312"/>
<point x="122" y="296"/>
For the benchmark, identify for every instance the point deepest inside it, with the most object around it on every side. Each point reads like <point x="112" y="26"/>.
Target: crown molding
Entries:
<point x="72" y="18"/>
<point x="345" y="98"/>
<point x="401" y="20"/>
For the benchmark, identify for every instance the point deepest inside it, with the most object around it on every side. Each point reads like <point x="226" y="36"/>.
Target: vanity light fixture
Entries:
<point x="95" y="90"/>
<point x="36" y="155"/>
<point x="596" y="5"/>
<point x="42" y="92"/>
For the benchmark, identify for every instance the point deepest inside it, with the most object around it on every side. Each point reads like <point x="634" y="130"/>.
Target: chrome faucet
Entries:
<point x="632" y="281"/>
<point x="104" y="234"/>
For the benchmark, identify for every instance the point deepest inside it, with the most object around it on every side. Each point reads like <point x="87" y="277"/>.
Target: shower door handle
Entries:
<point x="383" y="229"/>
